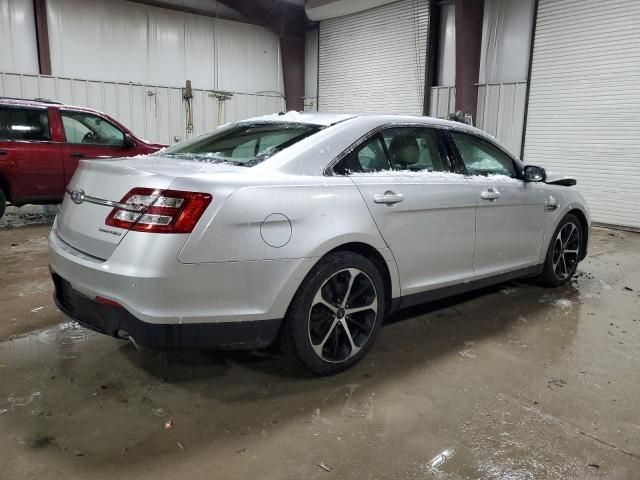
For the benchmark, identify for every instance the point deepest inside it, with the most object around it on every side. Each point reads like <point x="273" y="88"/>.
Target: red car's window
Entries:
<point x="25" y="124"/>
<point x="5" y="131"/>
<point x="85" y="128"/>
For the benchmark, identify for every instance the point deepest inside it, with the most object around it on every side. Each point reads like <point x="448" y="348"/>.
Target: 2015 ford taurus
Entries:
<point x="306" y="229"/>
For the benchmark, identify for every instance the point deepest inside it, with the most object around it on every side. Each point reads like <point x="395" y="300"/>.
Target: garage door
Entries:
<point x="374" y="61"/>
<point x="584" y="102"/>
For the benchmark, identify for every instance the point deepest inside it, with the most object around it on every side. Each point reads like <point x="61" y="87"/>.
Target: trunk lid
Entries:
<point x="81" y="223"/>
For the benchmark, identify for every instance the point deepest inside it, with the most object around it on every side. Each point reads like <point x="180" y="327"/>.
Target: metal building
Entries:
<point x="555" y="81"/>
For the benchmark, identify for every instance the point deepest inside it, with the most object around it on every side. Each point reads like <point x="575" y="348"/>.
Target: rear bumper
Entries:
<point x="144" y="276"/>
<point x="118" y="322"/>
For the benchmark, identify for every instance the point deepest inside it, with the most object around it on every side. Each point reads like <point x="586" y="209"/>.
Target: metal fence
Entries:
<point x="500" y="110"/>
<point x="156" y="113"/>
<point x="443" y="101"/>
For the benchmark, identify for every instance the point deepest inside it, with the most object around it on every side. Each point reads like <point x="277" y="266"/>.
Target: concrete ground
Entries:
<point x="512" y="382"/>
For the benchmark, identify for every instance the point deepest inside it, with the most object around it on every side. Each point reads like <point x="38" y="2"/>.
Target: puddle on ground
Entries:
<point x="67" y="333"/>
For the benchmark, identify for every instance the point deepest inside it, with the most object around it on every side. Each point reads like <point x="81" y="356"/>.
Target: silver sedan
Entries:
<point x="305" y="229"/>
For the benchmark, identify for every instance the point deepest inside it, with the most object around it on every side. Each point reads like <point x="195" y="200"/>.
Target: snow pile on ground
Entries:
<point x="28" y="215"/>
<point x="563" y="303"/>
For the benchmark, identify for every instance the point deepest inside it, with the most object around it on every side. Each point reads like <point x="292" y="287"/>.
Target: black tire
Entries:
<point x="320" y="312"/>
<point x="3" y="203"/>
<point x="559" y="264"/>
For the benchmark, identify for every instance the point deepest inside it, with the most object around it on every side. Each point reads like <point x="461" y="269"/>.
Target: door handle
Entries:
<point x="3" y="152"/>
<point x="490" y="194"/>
<point x="388" y="198"/>
<point x="77" y="155"/>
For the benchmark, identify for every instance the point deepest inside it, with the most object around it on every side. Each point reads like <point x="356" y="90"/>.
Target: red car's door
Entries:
<point x="89" y="136"/>
<point x="31" y="159"/>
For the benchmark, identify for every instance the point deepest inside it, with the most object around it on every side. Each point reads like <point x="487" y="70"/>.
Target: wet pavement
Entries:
<point x="512" y="382"/>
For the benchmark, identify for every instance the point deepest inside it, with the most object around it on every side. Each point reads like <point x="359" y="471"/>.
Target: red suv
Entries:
<point x="41" y="142"/>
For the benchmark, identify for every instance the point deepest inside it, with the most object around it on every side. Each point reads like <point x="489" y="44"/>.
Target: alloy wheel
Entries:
<point x="343" y="314"/>
<point x="566" y="251"/>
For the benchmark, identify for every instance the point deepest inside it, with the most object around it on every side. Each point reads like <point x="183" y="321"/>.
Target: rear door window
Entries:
<point x="415" y="149"/>
<point x="403" y="148"/>
<point x="368" y="157"/>
<point x="29" y="124"/>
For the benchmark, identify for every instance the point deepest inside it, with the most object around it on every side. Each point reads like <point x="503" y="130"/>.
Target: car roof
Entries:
<point x="332" y="118"/>
<point x="310" y="118"/>
<point x="41" y="103"/>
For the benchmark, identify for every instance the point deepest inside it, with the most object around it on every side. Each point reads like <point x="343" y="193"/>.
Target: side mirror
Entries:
<point x="128" y="141"/>
<point x="532" y="173"/>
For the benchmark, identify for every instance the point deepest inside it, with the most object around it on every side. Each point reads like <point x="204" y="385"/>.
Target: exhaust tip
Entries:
<point x="126" y="336"/>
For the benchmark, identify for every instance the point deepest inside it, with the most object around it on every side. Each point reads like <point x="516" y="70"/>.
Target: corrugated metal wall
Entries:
<point x="153" y="112"/>
<point x="375" y="60"/>
<point x="443" y="101"/>
<point x="584" y="102"/>
<point x="18" y="48"/>
<point x="500" y="110"/>
<point x="506" y="39"/>
<point x="120" y="41"/>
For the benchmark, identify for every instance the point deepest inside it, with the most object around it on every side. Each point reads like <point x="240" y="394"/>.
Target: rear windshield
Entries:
<point x="242" y="144"/>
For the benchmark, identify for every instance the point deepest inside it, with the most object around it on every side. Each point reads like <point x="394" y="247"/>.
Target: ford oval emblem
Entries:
<point x="77" y="196"/>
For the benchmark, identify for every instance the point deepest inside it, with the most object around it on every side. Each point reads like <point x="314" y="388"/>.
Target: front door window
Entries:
<point x="481" y="157"/>
<point x="87" y="129"/>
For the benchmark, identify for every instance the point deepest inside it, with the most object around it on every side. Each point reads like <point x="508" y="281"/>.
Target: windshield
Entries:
<point x="242" y="144"/>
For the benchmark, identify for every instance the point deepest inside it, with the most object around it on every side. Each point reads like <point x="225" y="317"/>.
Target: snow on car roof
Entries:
<point x="331" y="118"/>
<point x="313" y="118"/>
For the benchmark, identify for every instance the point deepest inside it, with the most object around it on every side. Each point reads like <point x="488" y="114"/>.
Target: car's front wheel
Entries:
<point x="563" y="253"/>
<point x="336" y="314"/>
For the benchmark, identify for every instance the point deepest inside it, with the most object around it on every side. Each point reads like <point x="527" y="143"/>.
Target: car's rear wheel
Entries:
<point x="563" y="254"/>
<point x="335" y="315"/>
<point x="3" y="203"/>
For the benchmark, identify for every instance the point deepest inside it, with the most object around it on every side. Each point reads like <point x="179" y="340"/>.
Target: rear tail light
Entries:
<point x="159" y="211"/>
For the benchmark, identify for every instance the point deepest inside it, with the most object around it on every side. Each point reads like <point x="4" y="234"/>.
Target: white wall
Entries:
<point x="18" y="49"/>
<point x="119" y="41"/>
